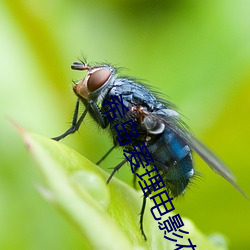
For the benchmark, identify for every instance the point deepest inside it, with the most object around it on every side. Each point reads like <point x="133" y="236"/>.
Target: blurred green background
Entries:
<point x="195" y="52"/>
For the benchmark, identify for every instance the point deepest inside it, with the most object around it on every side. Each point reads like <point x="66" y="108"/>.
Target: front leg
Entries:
<point x="97" y="114"/>
<point x="75" y="124"/>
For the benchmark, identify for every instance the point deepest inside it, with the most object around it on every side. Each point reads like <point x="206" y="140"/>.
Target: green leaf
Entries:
<point x="106" y="215"/>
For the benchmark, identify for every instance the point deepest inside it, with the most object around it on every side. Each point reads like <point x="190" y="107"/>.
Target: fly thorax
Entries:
<point x="152" y="125"/>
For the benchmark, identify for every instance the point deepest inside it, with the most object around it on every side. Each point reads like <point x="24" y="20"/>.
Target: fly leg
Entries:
<point x="75" y="124"/>
<point x="141" y="216"/>
<point x="96" y="112"/>
<point x="135" y="176"/>
<point x="91" y="107"/>
<point x="116" y="169"/>
<point x="105" y="155"/>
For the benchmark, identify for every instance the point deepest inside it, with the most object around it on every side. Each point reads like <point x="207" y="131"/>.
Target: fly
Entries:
<point x="159" y="125"/>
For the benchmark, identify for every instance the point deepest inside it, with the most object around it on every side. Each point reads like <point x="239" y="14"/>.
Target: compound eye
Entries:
<point x="97" y="79"/>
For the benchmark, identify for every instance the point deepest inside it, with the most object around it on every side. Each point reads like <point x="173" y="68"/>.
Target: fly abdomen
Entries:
<point x="174" y="160"/>
<point x="180" y="153"/>
<point x="178" y="149"/>
<point x="178" y="175"/>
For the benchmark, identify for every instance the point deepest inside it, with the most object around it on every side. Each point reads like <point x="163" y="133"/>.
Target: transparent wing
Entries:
<point x="175" y="124"/>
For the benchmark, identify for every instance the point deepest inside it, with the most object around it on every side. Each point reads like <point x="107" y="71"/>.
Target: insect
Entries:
<point x="159" y="124"/>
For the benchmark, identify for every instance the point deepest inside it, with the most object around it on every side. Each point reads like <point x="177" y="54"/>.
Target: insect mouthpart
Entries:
<point x="94" y="80"/>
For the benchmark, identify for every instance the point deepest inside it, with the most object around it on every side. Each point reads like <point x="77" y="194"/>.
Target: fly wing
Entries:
<point x="176" y="125"/>
<point x="208" y="156"/>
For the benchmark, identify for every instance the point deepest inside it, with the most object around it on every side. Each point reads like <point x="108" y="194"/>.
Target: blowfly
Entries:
<point x="158" y="123"/>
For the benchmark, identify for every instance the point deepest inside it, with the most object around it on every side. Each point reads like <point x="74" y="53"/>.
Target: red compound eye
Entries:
<point x="97" y="79"/>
